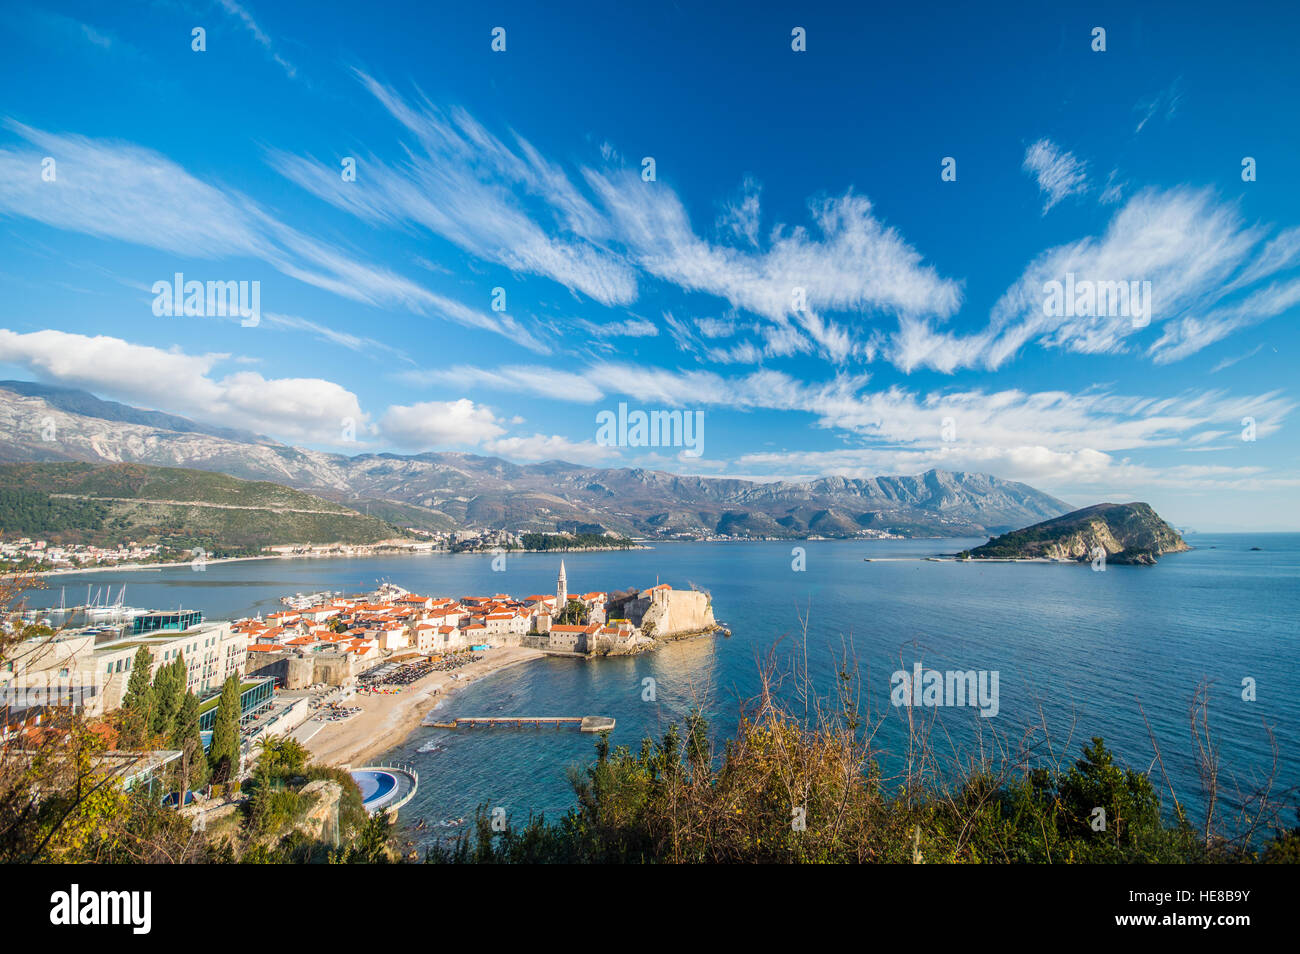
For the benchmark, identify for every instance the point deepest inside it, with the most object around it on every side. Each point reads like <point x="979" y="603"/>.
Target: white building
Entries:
<point x="93" y="676"/>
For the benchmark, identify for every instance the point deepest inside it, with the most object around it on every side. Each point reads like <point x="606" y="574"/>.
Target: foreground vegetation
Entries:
<point x="62" y="802"/>
<point x="790" y="789"/>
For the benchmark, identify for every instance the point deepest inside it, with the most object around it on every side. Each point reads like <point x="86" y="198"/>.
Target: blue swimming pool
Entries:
<point x="377" y="788"/>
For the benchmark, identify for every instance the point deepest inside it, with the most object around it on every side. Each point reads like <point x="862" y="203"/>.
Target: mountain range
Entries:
<point x="442" y="491"/>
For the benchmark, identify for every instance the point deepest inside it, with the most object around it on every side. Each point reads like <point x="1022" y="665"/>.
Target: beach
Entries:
<point x="386" y="720"/>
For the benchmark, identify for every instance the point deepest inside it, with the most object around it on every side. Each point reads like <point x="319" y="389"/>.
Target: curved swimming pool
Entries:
<point x="377" y="788"/>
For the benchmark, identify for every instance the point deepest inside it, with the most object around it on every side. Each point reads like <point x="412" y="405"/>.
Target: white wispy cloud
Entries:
<point x="1165" y="103"/>
<point x="503" y="203"/>
<point x="530" y="379"/>
<point x="242" y="14"/>
<point x="1234" y="359"/>
<point x="1113" y="190"/>
<point x="604" y="231"/>
<point x="716" y="327"/>
<point x="63" y="29"/>
<point x="628" y="328"/>
<point x="1060" y="437"/>
<point x="1194" y="250"/>
<point x="1190" y="334"/>
<point x="120" y="191"/>
<point x="597" y="232"/>
<point x="854" y="263"/>
<point x="739" y="218"/>
<point x="334" y="336"/>
<point x="97" y="37"/>
<point x="1058" y="173"/>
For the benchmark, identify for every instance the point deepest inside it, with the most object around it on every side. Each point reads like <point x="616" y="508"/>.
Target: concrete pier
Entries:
<point x="583" y="723"/>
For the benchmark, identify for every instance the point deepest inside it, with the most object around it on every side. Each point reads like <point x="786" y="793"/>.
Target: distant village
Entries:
<point x="45" y="555"/>
<point x="322" y="638"/>
<point x="42" y="553"/>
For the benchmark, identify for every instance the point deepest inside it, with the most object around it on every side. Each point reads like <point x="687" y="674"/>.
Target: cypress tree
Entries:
<point x="223" y="753"/>
<point x="169" y="692"/>
<point x="187" y="739"/>
<point x="182" y="678"/>
<point x="138" y="701"/>
<point x="162" y="698"/>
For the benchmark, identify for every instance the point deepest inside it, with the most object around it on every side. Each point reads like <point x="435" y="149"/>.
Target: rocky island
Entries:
<point x="1131" y="533"/>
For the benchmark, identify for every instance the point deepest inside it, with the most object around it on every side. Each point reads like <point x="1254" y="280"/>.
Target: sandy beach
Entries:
<point x="386" y="720"/>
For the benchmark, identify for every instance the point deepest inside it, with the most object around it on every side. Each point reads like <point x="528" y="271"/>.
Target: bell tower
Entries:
<point x="561" y="591"/>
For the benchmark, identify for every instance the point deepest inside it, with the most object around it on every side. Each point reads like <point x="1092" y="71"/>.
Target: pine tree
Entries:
<point x="138" y="701"/>
<point x="223" y="753"/>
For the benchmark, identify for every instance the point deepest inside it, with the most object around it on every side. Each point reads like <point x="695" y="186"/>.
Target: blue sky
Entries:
<point x="775" y="170"/>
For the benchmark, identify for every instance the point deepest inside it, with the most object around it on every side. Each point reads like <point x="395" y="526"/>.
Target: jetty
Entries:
<point x="584" y="723"/>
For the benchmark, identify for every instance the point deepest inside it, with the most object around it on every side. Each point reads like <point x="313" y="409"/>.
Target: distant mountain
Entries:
<point x="1129" y="533"/>
<point x="468" y="491"/>
<point x="82" y="403"/>
<point x="116" y="503"/>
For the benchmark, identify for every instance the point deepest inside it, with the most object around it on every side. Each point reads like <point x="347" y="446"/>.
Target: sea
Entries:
<point x="1120" y="654"/>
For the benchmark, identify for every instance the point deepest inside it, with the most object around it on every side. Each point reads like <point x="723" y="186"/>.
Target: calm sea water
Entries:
<point x="1089" y="651"/>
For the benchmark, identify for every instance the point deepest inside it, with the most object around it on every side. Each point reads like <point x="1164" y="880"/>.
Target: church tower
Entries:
<point x="561" y="591"/>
